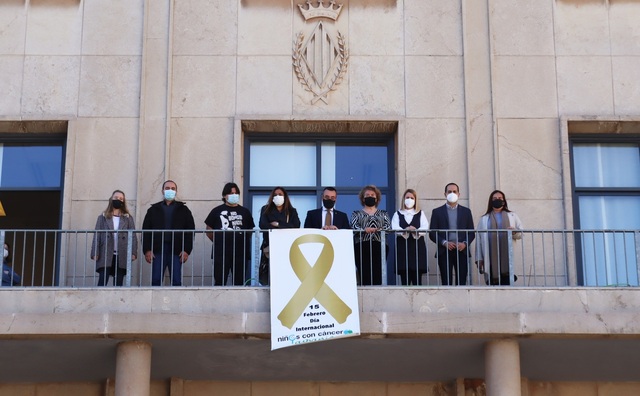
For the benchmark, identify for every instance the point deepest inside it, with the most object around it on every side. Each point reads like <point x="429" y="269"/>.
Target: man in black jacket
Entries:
<point x="167" y="249"/>
<point x="317" y="218"/>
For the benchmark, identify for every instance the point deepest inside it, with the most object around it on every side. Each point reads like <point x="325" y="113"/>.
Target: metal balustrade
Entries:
<point x="538" y="258"/>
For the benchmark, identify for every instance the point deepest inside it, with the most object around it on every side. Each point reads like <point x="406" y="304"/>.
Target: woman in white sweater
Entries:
<point x="492" y="248"/>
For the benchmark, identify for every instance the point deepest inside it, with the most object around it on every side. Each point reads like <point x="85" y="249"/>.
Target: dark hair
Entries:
<point x="228" y="188"/>
<point x="373" y="188"/>
<point x="451" y="184"/>
<point x="108" y="213"/>
<point x="8" y="258"/>
<point x="490" y="207"/>
<point x="169" y="181"/>
<point x="271" y="206"/>
<point x="330" y="189"/>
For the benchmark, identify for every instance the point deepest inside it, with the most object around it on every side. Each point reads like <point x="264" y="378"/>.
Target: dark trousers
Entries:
<point x="450" y="261"/>
<point x="105" y="273"/>
<point x="222" y="268"/>
<point x="411" y="277"/>
<point x="166" y="260"/>
<point x="504" y="280"/>
<point x="369" y="262"/>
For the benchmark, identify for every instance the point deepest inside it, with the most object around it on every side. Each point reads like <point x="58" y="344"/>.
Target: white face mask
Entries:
<point x="409" y="202"/>
<point x="452" y="198"/>
<point x="169" y="195"/>
<point x="233" y="199"/>
<point x="278" y="200"/>
<point x="6" y="253"/>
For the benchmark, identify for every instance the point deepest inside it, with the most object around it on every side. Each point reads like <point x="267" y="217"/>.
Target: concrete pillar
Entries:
<point x="133" y="369"/>
<point x="155" y="88"/>
<point x="482" y="170"/>
<point x="502" y="368"/>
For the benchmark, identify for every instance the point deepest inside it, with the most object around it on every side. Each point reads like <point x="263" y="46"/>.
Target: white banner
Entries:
<point x="314" y="295"/>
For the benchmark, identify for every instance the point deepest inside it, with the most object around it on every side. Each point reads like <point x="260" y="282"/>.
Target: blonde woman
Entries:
<point x="109" y="249"/>
<point x="411" y="246"/>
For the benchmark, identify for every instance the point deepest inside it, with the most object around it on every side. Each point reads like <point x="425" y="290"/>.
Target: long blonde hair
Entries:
<point x="108" y="213"/>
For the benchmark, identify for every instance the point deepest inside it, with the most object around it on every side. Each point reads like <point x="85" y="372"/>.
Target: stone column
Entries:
<point x="480" y="125"/>
<point x="155" y="86"/>
<point x="133" y="369"/>
<point x="502" y="368"/>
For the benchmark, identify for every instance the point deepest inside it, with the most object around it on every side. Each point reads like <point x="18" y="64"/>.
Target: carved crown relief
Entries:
<point x="320" y="53"/>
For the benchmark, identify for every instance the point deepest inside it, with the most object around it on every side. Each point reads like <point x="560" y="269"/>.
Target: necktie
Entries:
<point x="327" y="219"/>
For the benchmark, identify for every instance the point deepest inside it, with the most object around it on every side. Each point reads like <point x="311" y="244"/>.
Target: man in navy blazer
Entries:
<point x="453" y="246"/>
<point x="317" y="218"/>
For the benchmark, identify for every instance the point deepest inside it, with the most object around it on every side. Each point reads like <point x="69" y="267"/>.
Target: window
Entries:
<point x="305" y="166"/>
<point x="31" y="178"/>
<point x="30" y="165"/>
<point x="606" y="185"/>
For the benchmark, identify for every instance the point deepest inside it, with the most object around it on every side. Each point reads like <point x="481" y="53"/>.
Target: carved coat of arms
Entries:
<point x="321" y="57"/>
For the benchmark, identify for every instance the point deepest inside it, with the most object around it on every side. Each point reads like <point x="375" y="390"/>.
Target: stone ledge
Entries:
<point x="379" y="324"/>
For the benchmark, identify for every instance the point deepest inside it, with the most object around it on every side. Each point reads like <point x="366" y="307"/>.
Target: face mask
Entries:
<point x="370" y="201"/>
<point x="497" y="203"/>
<point x="278" y="200"/>
<point x="452" y="198"/>
<point x="409" y="202"/>
<point x="328" y="203"/>
<point x="6" y="253"/>
<point x="117" y="204"/>
<point x="169" y="195"/>
<point x="233" y="199"/>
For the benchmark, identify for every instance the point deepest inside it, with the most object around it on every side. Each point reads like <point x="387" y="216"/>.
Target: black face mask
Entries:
<point x="497" y="203"/>
<point x="370" y="201"/>
<point x="328" y="203"/>
<point x="117" y="204"/>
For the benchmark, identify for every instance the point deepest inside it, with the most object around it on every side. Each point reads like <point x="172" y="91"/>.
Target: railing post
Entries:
<point x="383" y="252"/>
<point x="510" y="242"/>
<point x="255" y="267"/>
<point x="127" y="280"/>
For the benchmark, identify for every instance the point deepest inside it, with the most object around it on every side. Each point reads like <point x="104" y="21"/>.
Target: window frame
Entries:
<point x="383" y="139"/>
<point x="578" y="192"/>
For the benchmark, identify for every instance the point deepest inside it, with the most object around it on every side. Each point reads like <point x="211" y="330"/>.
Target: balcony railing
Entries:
<point x="537" y="258"/>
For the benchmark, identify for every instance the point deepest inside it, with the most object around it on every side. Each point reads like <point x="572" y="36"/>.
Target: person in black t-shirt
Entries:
<point x="231" y="246"/>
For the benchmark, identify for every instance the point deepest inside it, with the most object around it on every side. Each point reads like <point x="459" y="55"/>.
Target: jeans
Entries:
<point x="163" y="260"/>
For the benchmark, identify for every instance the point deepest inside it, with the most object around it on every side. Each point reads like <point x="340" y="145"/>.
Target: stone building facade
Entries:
<point x="491" y="94"/>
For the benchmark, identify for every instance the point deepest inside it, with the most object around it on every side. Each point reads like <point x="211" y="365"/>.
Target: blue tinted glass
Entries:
<point x="357" y="166"/>
<point x="31" y="166"/>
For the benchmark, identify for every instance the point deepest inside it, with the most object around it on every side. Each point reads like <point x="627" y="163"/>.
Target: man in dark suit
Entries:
<point x="453" y="246"/>
<point x="327" y="217"/>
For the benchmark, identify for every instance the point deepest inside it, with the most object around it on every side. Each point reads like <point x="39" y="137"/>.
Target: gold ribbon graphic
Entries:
<point x="313" y="285"/>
